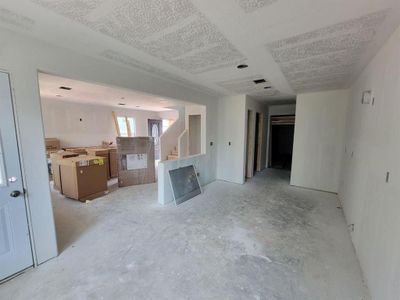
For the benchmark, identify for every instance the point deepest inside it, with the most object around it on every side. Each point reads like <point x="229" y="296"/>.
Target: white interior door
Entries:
<point x="15" y="247"/>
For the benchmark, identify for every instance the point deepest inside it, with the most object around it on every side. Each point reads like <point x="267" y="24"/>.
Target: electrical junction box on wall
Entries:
<point x="366" y="97"/>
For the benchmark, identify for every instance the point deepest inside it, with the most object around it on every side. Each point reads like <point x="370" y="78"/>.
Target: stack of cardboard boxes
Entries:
<point x="81" y="173"/>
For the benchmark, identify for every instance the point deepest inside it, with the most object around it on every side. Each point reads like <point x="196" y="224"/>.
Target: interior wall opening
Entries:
<point x="281" y="141"/>
<point x="95" y="135"/>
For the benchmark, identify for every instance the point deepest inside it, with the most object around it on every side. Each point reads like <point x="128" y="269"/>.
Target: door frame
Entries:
<point x="269" y="158"/>
<point x="23" y="178"/>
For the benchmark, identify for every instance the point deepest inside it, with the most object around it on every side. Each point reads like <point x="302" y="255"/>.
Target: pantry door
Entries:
<point x="15" y="246"/>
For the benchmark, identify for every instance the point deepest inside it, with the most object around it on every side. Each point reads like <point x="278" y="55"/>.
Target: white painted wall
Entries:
<point x="23" y="56"/>
<point x="276" y="110"/>
<point x="319" y="139"/>
<point x="61" y="119"/>
<point x="373" y="148"/>
<point x="200" y="162"/>
<point x="231" y="128"/>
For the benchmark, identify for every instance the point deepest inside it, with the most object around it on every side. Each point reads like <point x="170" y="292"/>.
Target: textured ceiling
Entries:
<point x="297" y="46"/>
<point x="325" y="58"/>
<point x="187" y="40"/>
<point x="252" y="5"/>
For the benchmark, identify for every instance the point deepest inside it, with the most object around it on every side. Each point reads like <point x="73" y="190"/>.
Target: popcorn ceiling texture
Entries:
<point x="174" y="30"/>
<point x="251" y="5"/>
<point x="16" y="20"/>
<point x="325" y="58"/>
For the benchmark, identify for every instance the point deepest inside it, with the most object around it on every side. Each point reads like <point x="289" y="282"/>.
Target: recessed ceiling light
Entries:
<point x="258" y="81"/>
<point x="268" y="87"/>
<point x="65" y="88"/>
<point x="121" y="104"/>
<point x="242" y="66"/>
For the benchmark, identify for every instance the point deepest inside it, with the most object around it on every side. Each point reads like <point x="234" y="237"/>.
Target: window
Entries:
<point x="125" y="126"/>
<point x="132" y="126"/>
<point x="165" y="124"/>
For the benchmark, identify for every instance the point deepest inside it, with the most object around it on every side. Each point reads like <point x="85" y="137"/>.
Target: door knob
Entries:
<point x="15" y="194"/>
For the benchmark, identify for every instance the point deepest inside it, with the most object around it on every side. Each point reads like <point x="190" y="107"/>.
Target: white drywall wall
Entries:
<point x="372" y="149"/>
<point x="276" y="110"/>
<point x="231" y="129"/>
<point x="200" y="162"/>
<point x="23" y="56"/>
<point x="319" y="139"/>
<point x="61" y="119"/>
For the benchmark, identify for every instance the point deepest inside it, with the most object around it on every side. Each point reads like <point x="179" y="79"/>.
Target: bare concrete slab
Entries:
<point x="261" y="240"/>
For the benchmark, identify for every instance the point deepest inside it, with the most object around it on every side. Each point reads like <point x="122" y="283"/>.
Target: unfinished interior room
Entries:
<point x="198" y="149"/>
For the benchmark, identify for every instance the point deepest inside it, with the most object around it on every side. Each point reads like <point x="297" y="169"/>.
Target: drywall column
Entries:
<point x="231" y="139"/>
<point x="371" y="201"/>
<point x="319" y="139"/>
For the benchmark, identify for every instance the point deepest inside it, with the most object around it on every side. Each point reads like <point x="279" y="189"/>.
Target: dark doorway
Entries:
<point x="282" y="136"/>
<point x="155" y="130"/>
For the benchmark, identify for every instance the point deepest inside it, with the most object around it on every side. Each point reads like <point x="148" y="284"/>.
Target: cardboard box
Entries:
<point x="136" y="163"/>
<point x="55" y="167"/>
<point x="52" y="144"/>
<point x="113" y="163"/>
<point x="102" y="152"/>
<point x="83" y="177"/>
<point x="79" y="150"/>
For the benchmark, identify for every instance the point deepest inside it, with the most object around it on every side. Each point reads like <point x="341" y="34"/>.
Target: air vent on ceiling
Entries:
<point x="65" y="88"/>
<point x="258" y="81"/>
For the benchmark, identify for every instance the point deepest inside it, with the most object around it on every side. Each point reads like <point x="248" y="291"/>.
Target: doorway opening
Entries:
<point x="194" y="134"/>
<point x="281" y="142"/>
<point x="98" y="140"/>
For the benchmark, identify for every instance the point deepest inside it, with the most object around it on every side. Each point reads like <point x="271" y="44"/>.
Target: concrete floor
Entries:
<point x="261" y="240"/>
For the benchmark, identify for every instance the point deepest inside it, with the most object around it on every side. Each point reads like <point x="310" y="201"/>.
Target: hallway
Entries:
<point x="261" y="240"/>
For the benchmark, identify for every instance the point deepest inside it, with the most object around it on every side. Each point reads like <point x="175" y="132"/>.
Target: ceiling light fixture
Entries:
<point x="67" y="88"/>
<point x="121" y="104"/>
<point x="242" y="66"/>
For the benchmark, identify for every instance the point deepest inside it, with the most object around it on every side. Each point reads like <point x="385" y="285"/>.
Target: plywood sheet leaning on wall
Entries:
<point x="136" y="163"/>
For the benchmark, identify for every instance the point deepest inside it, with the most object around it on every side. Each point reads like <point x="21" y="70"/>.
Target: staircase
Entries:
<point x="173" y="155"/>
